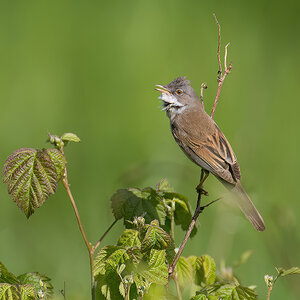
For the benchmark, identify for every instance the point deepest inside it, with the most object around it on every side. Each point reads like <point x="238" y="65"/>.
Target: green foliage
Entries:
<point x="31" y="176"/>
<point x="162" y="204"/>
<point x="132" y="202"/>
<point x="24" y="287"/>
<point x="138" y="261"/>
<point x="138" y="266"/>
<point x="281" y="272"/>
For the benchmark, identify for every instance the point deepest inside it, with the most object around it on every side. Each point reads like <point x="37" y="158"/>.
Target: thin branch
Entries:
<point x="219" y="46"/>
<point x="186" y="237"/>
<point x="203" y="87"/>
<point x="221" y="76"/>
<point x="88" y="245"/>
<point x="103" y="236"/>
<point x="66" y="185"/>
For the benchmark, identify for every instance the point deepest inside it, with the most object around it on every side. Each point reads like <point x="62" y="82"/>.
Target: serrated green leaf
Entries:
<point x="155" y="269"/>
<point x="38" y="281"/>
<point x="156" y="238"/>
<point x="59" y="161"/>
<point x="105" y="270"/>
<point x="164" y="186"/>
<point x="132" y="202"/>
<point x="199" y="297"/>
<point x="27" y="292"/>
<point x="129" y="238"/>
<point x="184" y="271"/>
<point x="291" y="271"/>
<point x="31" y="177"/>
<point x="8" y="292"/>
<point x="230" y="292"/>
<point x="70" y="137"/>
<point x="7" y="277"/>
<point x="204" y="269"/>
<point x="158" y="292"/>
<point x="246" y="293"/>
<point x="183" y="213"/>
<point x="227" y="292"/>
<point x="108" y="258"/>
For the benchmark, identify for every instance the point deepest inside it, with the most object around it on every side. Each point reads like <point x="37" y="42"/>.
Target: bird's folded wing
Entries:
<point x="218" y="154"/>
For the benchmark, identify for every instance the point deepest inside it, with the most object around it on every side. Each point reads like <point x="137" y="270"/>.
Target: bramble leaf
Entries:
<point x="232" y="292"/>
<point x="105" y="270"/>
<point x="184" y="271"/>
<point x="204" y="269"/>
<point x="155" y="269"/>
<point x="70" y="137"/>
<point x="156" y="238"/>
<point x="158" y="292"/>
<point x="129" y="238"/>
<point x="59" y="161"/>
<point x="39" y="282"/>
<point x="8" y="292"/>
<point x="7" y="277"/>
<point x="183" y="213"/>
<point x="27" y="292"/>
<point x="108" y="258"/>
<point x="282" y="272"/>
<point x="164" y="186"/>
<point x="132" y="202"/>
<point x="31" y="177"/>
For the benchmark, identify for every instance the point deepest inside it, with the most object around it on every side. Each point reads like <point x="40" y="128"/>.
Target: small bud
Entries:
<point x="141" y="220"/>
<point x="269" y="280"/>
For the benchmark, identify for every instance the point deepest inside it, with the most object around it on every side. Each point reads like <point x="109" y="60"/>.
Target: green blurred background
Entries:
<point x="89" y="67"/>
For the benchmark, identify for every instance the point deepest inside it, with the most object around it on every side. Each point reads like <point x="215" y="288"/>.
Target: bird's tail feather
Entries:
<point x="247" y="207"/>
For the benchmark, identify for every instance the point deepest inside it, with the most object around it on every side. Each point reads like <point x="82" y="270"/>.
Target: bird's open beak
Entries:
<point x="162" y="89"/>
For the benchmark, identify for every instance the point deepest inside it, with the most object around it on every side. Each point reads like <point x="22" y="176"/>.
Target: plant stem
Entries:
<point x="187" y="235"/>
<point x="269" y="292"/>
<point x="177" y="287"/>
<point x="88" y="245"/>
<point x="221" y="76"/>
<point x="172" y="231"/>
<point x="103" y="236"/>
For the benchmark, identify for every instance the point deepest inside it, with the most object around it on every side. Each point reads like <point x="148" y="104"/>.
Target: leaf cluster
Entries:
<point x="24" y="287"/>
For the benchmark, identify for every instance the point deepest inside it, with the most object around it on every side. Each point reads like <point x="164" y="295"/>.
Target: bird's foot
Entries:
<point x="201" y="190"/>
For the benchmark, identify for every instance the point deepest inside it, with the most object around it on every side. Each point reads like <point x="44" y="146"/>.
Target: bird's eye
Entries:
<point x="179" y="92"/>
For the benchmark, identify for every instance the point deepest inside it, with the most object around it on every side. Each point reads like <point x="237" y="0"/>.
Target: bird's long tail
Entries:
<point x="247" y="206"/>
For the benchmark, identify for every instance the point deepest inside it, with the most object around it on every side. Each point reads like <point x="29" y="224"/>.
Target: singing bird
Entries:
<point x="203" y="142"/>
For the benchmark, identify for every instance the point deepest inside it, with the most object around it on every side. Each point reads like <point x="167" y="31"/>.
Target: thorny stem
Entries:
<point x="221" y="76"/>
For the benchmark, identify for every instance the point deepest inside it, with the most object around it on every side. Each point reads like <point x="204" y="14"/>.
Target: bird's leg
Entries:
<point x="203" y="177"/>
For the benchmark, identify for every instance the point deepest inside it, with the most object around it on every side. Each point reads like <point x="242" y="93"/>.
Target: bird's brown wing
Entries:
<point x="216" y="152"/>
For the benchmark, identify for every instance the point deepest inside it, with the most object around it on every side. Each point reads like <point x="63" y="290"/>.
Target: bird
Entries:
<point x="203" y="142"/>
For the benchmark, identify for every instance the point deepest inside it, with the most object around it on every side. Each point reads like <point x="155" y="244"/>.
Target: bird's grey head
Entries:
<point x="177" y="95"/>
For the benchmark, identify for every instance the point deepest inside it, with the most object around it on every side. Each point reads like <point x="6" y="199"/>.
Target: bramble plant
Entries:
<point x="137" y="267"/>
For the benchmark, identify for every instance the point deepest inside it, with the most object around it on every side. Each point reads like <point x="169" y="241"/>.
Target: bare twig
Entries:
<point x="103" y="236"/>
<point x="221" y="76"/>
<point x="219" y="46"/>
<point x="203" y="87"/>
<point x="88" y="245"/>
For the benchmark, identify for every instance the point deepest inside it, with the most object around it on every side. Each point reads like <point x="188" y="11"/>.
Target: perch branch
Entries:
<point x="203" y="87"/>
<point x="227" y="69"/>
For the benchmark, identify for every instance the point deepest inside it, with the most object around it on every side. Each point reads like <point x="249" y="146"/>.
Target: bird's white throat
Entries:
<point x="169" y="101"/>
